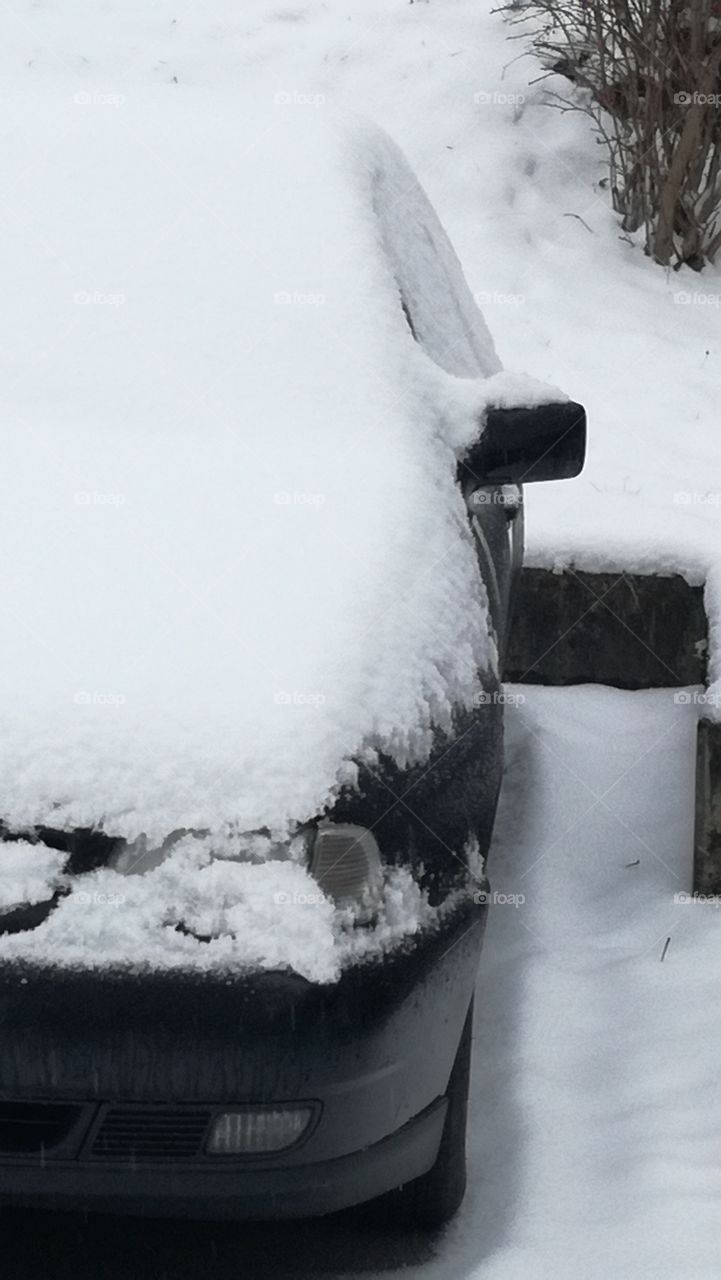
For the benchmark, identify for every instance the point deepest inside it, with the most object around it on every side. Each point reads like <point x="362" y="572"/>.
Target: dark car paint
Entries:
<point x="359" y="1049"/>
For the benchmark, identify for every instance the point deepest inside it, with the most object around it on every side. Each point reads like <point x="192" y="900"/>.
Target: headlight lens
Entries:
<point x="346" y="862"/>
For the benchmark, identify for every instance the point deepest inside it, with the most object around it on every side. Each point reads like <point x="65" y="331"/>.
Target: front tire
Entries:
<point x="432" y="1200"/>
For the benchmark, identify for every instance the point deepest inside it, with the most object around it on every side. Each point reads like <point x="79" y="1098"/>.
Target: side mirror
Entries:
<point x="547" y="442"/>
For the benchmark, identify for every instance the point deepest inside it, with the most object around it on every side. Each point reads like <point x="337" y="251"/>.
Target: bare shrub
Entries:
<point x="649" y="74"/>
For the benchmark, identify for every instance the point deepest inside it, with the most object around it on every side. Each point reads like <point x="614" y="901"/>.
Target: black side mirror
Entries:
<point x="547" y="442"/>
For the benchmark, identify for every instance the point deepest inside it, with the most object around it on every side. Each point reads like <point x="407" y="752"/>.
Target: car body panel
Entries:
<point x="237" y="1192"/>
<point x="358" y="1049"/>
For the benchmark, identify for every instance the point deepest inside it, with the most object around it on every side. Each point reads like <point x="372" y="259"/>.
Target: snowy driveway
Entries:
<point x="596" y="1138"/>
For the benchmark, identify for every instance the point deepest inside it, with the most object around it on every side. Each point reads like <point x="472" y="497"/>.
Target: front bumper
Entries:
<point x="373" y="1052"/>
<point x="234" y="1191"/>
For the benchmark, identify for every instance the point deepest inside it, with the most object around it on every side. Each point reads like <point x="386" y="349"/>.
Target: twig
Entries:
<point x="666" y="946"/>
<point x="580" y="219"/>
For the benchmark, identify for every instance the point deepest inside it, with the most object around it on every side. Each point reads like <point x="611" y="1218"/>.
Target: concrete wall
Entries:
<point x="633" y="631"/>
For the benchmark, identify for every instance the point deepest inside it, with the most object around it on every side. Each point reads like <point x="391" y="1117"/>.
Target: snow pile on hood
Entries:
<point x="234" y="554"/>
<point x="29" y="873"/>
<point x="198" y="912"/>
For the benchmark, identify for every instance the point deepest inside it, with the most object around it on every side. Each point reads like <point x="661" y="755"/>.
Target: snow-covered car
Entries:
<point x="262" y="515"/>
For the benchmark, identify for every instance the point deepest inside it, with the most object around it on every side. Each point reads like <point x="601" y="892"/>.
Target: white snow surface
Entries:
<point x="29" y="873"/>
<point x="234" y="555"/>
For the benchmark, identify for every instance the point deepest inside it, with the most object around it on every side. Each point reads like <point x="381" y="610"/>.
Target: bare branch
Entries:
<point x="648" y="73"/>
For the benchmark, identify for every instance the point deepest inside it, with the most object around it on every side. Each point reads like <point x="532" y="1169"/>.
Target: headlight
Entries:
<point x="346" y="862"/>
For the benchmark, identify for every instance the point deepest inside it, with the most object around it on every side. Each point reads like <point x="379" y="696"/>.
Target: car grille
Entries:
<point x="151" y="1133"/>
<point x="35" y="1127"/>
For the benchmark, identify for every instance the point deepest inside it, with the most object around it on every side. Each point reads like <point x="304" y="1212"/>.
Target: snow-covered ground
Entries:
<point x="596" y="1125"/>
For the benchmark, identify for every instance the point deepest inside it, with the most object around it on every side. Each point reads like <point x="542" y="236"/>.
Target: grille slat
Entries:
<point x="150" y="1134"/>
<point x="159" y="1125"/>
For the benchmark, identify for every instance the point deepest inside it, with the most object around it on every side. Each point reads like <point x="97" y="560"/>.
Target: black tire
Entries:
<point x="431" y="1200"/>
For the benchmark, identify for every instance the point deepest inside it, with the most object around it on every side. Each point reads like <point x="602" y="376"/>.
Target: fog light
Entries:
<point x="346" y="863"/>
<point x="257" y="1130"/>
